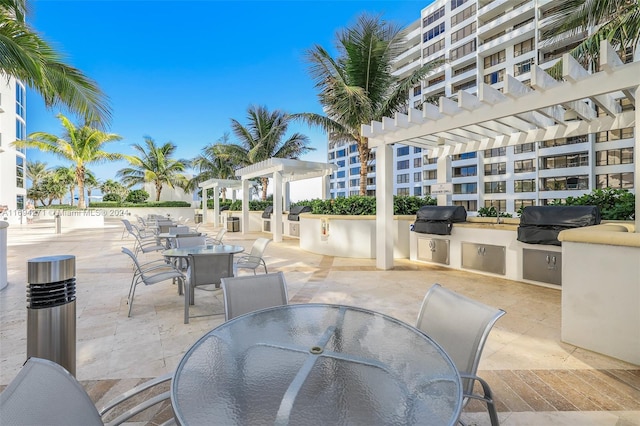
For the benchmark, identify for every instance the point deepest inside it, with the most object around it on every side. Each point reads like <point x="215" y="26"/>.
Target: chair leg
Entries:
<point x="131" y="299"/>
<point x="187" y="291"/>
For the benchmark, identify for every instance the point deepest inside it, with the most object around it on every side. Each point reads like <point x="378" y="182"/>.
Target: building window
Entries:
<point x="402" y="178"/>
<point x="525" y="147"/>
<point x="429" y="175"/>
<point x="340" y="163"/>
<point x="354" y="171"/>
<point x="19" y="171"/>
<point x="495" y="169"/>
<point x="402" y="165"/>
<point x="352" y="193"/>
<point x="563" y="183"/>
<point x="371" y="168"/>
<point x="21" y="95"/>
<point x="417" y="191"/>
<point x="21" y="130"/>
<point x="341" y="153"/>
<point x="426" y="189"/>
<point x="469" y="205"/>
<point x="614" y="156"/>
<point x="403" y="191"/>
<point x="433" y="32"/>
<point x="495" y="59"/>
<point x="433" y="48"/>
<point x="470" y="67"/>
<point x="564" y="141"/>
<point x="522" y="67"/>
<point x="463" y="32"/>
<point x="332" y="155"/>
<point x="615" y="180"/>
<point x="371" y="181"/>
<point x="354" y="160"/>
<point x="463" y="156"/>
<point x="494" y="77"/>
<point x="520" y="204"/>
<point x="428" y="160"/>
<point x="417" y="176"/>
<point x="465" y="188"/>
<point x="524" y="166"/>
<point x="498" y="187"/>
<point x="563" y="161"/>
<point x="436" y="80"/>
<point x="495" y="152"/>
<point x="457" y="3"/>
<point x="353" y="148"/>
<point x="463" y="50"/>
<point x="340" y="174"/>
<point x="525" y="185"/>
<point x="403" y="150"/>
<point x="524" y="47"/>
<point x="417" y="162"/>
<point x="433" y="17"/>
<point x="371" y="192"/>
<point x="417" y="150"/>
<point x="614" y="135"/>
<point x="417" y="90"/>
<point x="20" y="202"/>
<point x="465" y="171"/>
<point x="461" y="16"/>
<point x="466" y="85"/>
<point x="354" y="182"/>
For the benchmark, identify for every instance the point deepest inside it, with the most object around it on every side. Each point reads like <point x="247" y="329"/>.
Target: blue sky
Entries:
<point x="180" y="70"/>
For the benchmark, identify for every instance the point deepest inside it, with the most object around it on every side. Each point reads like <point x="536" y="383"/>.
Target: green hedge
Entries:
<point x="614" y="204"/>
<point x="109" y="204"/>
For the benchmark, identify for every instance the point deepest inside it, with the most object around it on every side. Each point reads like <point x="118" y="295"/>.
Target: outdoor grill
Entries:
<point x="542" y="224"/>
<point x="294" y="212"/>
<point x="438" y="219"/>
<point x="266" y="214"/>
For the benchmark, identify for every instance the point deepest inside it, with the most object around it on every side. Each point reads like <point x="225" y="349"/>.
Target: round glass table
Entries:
<point x="316" y="364"/>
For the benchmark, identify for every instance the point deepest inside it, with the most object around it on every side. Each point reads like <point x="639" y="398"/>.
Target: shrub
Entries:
<point x="614" y="204"/>
<point x="364" y="205"/>
<point x="110" y="197"/>
<point x="137" y="196"/>
<point x="491" y="212"/>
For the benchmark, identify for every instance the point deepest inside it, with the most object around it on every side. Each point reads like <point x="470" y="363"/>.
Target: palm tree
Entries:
<point x="90" y="183"/>
<point x="27" y="57"/>
<point x="36" y="171"/>
<point x="82" y="145"/>
<point x="154" y="164"/>
<point x="358" y="86"/>
<point x="213" y="163"/>
<point x="66" y="176"/>
<point x="262" y="139"/>
<point x="617" y="21"/>
<point x="110" y="186"/>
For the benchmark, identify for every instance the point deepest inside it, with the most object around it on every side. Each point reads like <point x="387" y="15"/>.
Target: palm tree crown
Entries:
<point x="263" y="138"/>
<point x="154" y="164"/>
<point x="27" y="57"/>
<point x="213" y="163"/>
<point x="358" y="86"/>
<point x="82" y="145"/>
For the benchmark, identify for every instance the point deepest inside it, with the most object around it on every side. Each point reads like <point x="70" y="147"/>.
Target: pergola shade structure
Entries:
<point x="549" y="109"/>
<point x="217" y="185"/>
<point x="282" y="171"/>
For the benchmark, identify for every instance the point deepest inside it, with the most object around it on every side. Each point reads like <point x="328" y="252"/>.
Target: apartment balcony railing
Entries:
<point x="526" y="11"/>
<point x="515" y="36"/>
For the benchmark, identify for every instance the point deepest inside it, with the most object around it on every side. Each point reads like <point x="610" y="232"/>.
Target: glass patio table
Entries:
<point x="316" y="364"/>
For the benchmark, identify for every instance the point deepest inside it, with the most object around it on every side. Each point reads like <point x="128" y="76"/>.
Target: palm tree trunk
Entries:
<point x="158" y="190"/>
<point x="363" y="153"/>
<point x="80" y="180"/>
<point x="265" y="182"/>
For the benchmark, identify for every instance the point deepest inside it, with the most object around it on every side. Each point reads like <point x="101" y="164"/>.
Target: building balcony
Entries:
<point x="510" y="38"/>
<point x="488" y="27"/>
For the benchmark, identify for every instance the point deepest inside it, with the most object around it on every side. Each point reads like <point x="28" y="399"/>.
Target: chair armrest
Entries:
<point x="135" y="391"/>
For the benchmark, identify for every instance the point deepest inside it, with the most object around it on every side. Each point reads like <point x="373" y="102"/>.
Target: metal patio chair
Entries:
<point x="151" y="275"/>
<point x="205" y="271"/>
<point x="253" y="292"/>
<point x="45" y="393"/>
<point x="461" y="325"/>
<point x="253" y="259"/>
<point x="217" y="240"/>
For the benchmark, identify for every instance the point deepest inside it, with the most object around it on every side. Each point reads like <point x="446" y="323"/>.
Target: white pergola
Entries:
<point x="281" y="171"/>
<point x="217" y="185"/>
<point x="548" y="110"/>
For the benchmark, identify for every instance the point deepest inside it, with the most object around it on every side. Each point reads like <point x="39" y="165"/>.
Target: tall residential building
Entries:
<point x="481" y="41"/>
<point x="13" y="181"/>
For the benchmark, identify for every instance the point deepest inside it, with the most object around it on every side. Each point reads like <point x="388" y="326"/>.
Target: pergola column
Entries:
<point x="384" y="207"/>
<point x="287" y="196"/>
<point x="216" y="205"/>
<point x="636" y="161"/>
<point x="443" y="172"/>
<point x="245" y="206"/>
<point x="204" y="205"/>
<point x="325" y="186"/>
<point x="277" y="207"/>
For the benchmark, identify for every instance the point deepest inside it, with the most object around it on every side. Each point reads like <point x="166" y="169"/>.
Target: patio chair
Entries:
<point x="253" y="259"/>
<point x="251" y="293"/>
<point x="150" y="276"/>
<point x="44" y="393"/>
<point x="217" y="240"/>
<point x="460" y="325"/>
<point x="179" y="229"/>
<point x="205" y="271"/>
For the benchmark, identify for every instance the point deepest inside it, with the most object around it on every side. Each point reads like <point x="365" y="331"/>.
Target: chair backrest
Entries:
<point x="207" y="269"/>
<point x="190" y="241"/>
<point x="133" y="257"/>
<point x="259" y="246"/>
<point x="127" y="225"/>
<point x="178" y="230"/>
<point x="460" y="325"/>
<point x="251" y="293"/>
<point x="44" y="393"/>
<point x="220" y="235"/>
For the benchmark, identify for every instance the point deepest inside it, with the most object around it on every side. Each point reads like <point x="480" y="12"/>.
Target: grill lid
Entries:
<point x="564" y="216"/>
<point x="441" y="213"/>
